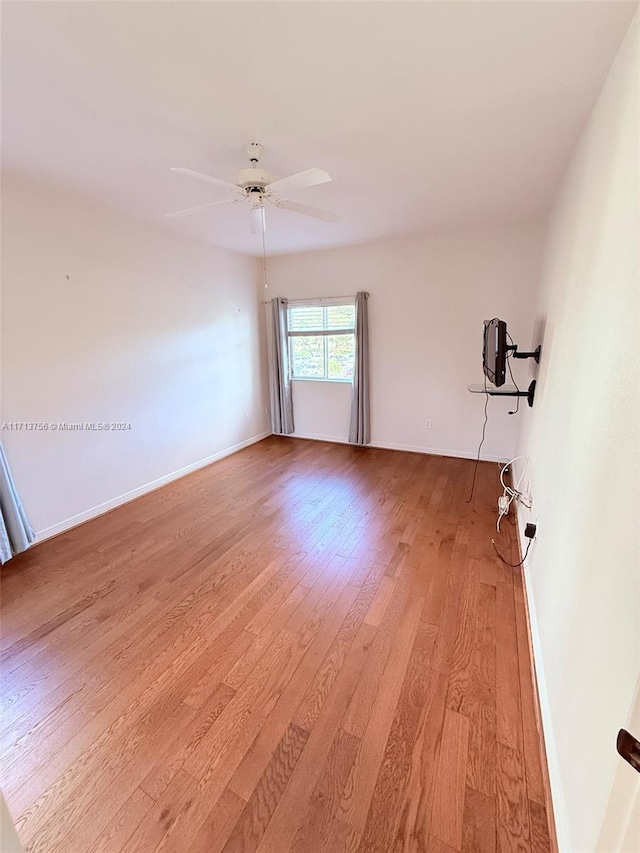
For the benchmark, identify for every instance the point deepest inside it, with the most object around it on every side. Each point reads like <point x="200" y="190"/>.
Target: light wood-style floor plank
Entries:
<point x="303" y="648"/>
<point x="180" y="792"/>
<point x="512" y="807"/>
<point x="400" y="805"/>
<point x="216" y="828"/>
<point x="540" y="841"/>
<point x="508" y="704"/>
<point x="257" y="813"/>
<point x="362" y="781"/>
<point x="447" y="819"/>
<point x="327" y="794"/>
<point x="479" y="823"/>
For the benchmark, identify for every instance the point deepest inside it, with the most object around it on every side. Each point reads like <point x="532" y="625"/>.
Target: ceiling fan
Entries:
<point x="256" y="187"/>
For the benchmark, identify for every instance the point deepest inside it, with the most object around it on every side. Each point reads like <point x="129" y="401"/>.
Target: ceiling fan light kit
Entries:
<point x="257" y="186"/>
<point x="258" y="219"/>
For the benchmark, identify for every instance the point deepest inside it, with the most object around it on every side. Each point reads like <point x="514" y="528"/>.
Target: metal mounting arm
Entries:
<point x="535" y="354"/>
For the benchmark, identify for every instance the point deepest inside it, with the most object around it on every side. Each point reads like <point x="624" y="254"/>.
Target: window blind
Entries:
<point x="309" y="319"/>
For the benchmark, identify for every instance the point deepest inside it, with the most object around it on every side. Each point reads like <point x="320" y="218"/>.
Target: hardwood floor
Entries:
<point x="304" y="647"/>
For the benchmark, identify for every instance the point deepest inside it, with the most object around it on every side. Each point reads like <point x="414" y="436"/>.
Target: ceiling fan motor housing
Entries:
<point x="254" y="178"/>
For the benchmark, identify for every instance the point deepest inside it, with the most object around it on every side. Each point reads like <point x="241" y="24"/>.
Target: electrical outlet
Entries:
<point x="427" y="424"/>
<point x="247" y="417"/>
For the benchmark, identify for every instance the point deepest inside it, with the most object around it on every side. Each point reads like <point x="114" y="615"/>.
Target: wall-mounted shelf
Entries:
<point x="505" y="391"/>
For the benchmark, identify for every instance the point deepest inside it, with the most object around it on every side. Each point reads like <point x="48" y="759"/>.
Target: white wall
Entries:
<point x="106" y="319"/>
<point x="582" y="440"/>
<point x="429" y="297"/>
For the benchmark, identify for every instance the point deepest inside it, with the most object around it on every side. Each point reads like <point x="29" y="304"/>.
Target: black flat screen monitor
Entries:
<point x="494" y="351"/>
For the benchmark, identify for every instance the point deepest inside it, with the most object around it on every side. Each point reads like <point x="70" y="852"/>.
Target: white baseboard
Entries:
<point x="438" y="451"/>
<point x="94" y="512"/>
<point x="430" y="451"/>
<point x="555" y="779"/>
<point x="332" y="439"/>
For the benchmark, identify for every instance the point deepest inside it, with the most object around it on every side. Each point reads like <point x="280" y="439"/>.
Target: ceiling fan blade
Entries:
<point x="299" y="181"/>
<point x="201" y="207"/>
<point x="199" y="176"/>
<point x="305" y="209"/>
<point x="258" y="220"/>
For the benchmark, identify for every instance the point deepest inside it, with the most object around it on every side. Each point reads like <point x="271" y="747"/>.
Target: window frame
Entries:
<point x="325" y="334"/>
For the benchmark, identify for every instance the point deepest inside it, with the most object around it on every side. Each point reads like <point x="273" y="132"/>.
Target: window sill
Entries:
<point x="314" y="379"/>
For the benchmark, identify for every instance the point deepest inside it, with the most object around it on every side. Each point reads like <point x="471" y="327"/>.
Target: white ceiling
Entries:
<point x="428" y="115"/>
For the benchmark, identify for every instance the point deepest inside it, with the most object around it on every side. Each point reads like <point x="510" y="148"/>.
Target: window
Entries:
<point x="321" y="341"/>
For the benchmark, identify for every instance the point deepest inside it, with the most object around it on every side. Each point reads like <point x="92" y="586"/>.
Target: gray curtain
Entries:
<point x="281" y="397"/>
<point x="15" y="531"/>
<point x="360" y="425"/>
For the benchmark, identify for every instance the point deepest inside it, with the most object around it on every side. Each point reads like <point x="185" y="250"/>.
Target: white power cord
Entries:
<point x="509" y="493"/>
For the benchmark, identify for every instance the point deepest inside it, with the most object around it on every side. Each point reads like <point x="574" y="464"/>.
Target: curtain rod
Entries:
<point x="313" y="299"/>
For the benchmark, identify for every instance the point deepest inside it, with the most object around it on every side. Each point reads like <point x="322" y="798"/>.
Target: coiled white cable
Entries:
<point x="510" y="493"/>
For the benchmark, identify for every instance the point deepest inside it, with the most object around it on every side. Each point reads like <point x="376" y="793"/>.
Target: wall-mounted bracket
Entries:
<point x="529" y="393"/>
<point x="535" y="354"/>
